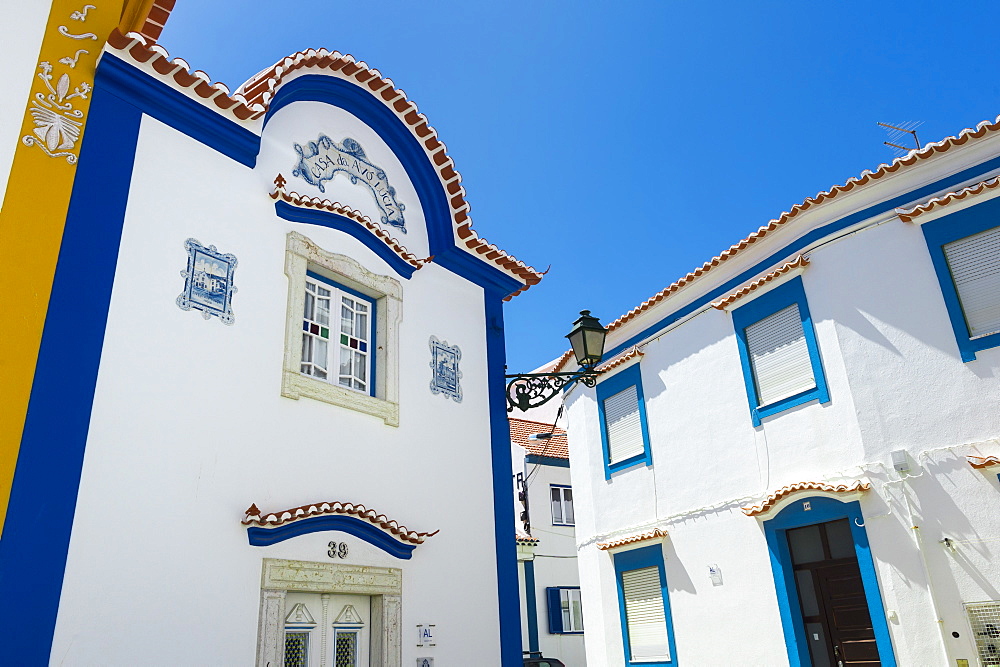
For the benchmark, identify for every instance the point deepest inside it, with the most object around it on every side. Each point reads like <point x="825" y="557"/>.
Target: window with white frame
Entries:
<point x="562" y="505"/>
<point x="341" y="354"/>
<point x="565" y="609"/>
<point x="341" y="332"/>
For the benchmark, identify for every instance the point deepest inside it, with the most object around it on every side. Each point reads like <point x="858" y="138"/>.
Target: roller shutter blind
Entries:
<point x="779" y="356"/>
<point x="975" y="268"/>
<point x="644" y="615"/>
<point x="624" y="427"/>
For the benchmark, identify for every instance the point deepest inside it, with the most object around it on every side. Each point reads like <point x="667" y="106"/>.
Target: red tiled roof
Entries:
<point x="303" y="201"/>
<point x="556" y="447"/>
<point x="971" y="191"/>
<point x="156" y="18"/>
<point x="254" y="517"/>
<point x="797" y="263"/>
<point x="525" y="540"/>
<point x="773" y="499"/>
<point x="983" y="461"/>
<point x="632" y="539"/>
<point x="251" y="100"/>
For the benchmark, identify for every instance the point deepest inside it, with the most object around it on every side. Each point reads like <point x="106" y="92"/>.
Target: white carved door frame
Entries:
<point x="384" y="585"/>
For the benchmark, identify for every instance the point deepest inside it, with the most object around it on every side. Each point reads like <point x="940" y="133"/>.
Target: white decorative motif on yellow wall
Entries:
<point x="56" y="118"/>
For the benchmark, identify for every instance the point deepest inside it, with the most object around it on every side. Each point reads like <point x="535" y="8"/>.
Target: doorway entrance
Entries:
<point x="832" y="601"/>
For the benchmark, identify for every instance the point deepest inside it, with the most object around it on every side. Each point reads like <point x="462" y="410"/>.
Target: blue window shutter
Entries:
<point x="555" y="610"/>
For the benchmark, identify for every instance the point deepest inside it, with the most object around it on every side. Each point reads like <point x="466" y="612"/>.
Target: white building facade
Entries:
<point x="552" y="617"/>
<point x="791" y="455"/>
<point x="272" y="338"/>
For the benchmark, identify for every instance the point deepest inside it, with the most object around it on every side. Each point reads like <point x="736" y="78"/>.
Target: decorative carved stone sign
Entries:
<point x="320" y="161"/>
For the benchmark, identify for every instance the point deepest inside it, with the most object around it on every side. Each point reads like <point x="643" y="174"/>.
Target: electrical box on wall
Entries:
<point x="900" y="461"/>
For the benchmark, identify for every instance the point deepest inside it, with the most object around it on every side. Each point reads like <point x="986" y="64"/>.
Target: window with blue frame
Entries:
<point x="965" y="252"/>
<point x="565" y="610"/>
<point x="778" y="350"/>
<point x="337" y="334"/>
<point x="622" y="410"/>
<point x="644" y="605"/>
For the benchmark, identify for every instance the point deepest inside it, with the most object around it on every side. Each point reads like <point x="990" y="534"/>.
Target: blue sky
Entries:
<point x="626" y="143"/>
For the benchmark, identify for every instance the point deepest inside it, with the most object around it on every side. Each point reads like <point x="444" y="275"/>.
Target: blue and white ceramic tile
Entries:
<point x="208" y="282"/>
<point x="320" y="161"/>
<point x="444" y="364"/>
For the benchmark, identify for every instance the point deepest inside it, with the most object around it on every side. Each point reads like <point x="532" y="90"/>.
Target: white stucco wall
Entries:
<point x="189" y="427"/>
<point x="896" y="381"/>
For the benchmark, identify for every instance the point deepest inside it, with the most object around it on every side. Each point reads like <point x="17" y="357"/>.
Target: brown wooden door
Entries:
<point x="832" y="598"/>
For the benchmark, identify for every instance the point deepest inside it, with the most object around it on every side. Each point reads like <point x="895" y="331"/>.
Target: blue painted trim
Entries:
<point x="263" y="537"/>
<point x="553" y="461"/>
<point x="617" y="383"/>
<point x="937" y="234"/>
<point x="508" y="601"/>
<point x="36" y="536"/>
<point x="799" y="244"/>
<point x="823" y="509"/>
<point x="373" y="323"/>
<point x="531" y="604"/>
<point x="783" y="296"/>
<point x="433" y="199"/>
<point x="350" y="227"/>
<point x="177" y="110"/>
<point x="635" y="559"/>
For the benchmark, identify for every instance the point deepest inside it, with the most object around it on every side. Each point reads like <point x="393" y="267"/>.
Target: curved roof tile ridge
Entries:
<point x="799" y="262"/>
<point x="254" y="517"/>
<point x="907" y="215"/>
<point x="305" y="201"/>
<point x="774" y="498"/>
<point x="983" y="461"/>
<point x="143" y="50"/>
<point x="866" y="177"/>
<point x="653" y="534"/>
<point x="251" y="100"/>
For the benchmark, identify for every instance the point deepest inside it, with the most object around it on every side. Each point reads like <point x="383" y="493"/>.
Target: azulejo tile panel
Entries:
<point x="208" y="282"/>
<point x="444" y="365"/>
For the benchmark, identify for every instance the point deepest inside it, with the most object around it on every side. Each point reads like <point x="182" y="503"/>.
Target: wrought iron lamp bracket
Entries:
<point x="531" y="390"/>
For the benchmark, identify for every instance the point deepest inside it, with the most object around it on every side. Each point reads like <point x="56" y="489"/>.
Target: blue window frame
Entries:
<point x="354" y="336"/>
<point x="783" y="297"/>
<point x="623" y="431"/>
<point x="939" y="233"/>
<point x="807" y="511"/>
<point x="565" y="610"/>
<point x="637" y="565"/>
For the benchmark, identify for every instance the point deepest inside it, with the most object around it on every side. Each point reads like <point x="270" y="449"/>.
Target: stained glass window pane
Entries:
<point x="296" y="649"/>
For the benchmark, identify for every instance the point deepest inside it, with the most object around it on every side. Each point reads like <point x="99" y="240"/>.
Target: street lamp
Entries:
<point x="530" y="390"/>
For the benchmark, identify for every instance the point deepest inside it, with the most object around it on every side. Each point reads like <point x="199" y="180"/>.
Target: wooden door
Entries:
<point x="832" y="598"/>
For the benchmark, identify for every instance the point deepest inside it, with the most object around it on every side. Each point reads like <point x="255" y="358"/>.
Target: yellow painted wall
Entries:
<point x="38" y="192"/>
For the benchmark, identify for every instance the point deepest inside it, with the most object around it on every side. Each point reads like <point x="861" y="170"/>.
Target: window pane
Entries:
<point x="567" y="618"/>
<point x="838" y="535"/>
<point x="624" y="428"/>
<point x="323" y="311"/>
<point x="975" y="268"/>
<point x="568" y="506"/>
<point x="807" y="592"/>
<point x="308" y="310"/>
<point x="307" y="351"/>
<point x="361" y="331"/>
<point x="321" y="353"/>
<point x="346" y="649"/>
<point x="779" y="356"/>
<point x="576" y="607"/>
<point x="644" y="614"/>
<point x="346" y="318"/>
<point x="557" y="515"/>
<point x="805" y="544"/>
<point x="296" y="649"/>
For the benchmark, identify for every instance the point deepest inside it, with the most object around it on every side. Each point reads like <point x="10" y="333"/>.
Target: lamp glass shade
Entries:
<point x="587" y="339"/>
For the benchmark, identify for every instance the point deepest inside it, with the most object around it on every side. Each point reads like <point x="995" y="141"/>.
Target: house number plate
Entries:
<point x="337" y="550"/>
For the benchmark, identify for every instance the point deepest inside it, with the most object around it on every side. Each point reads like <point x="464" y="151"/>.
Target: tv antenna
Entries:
<point x="898" y="134"/>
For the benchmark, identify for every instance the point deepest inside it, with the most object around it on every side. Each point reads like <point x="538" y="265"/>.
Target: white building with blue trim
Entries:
<point x="273" y="338"/>
<point x="791" y="454"/>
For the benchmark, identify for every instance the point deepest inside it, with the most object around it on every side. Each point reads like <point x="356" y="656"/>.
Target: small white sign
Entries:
<point x="425" y="662"/>
<point x="425" y="634"/>
<point x="715" y="574"/>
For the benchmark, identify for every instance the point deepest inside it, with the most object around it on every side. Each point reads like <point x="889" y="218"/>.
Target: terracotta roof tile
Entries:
<point x="525" y="539"/>
<point x="908" y="215"/>
<point x="303" y="201"/>
<point x="656" y="533"/>
<point x="619" y="359"/>
<point x="799" y="262"/>
<point x="251" y="100"/>
<point x="773" y="499"/>
<point x="983" y="461"/>
<point x="254" y="517"/>
<point x="556" y="447"/>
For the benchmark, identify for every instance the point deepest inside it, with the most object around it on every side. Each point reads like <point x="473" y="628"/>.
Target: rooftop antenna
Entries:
<point x="897" y="134"/>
